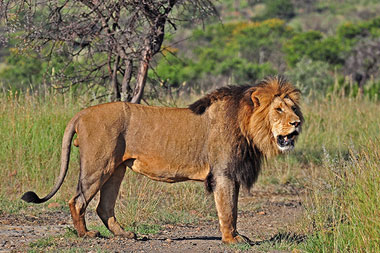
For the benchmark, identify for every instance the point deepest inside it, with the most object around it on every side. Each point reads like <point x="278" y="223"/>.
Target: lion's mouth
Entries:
<point x="286" y="142"/>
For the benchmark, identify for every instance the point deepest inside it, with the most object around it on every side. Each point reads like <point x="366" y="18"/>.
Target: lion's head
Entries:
<point x="276" y="119"/>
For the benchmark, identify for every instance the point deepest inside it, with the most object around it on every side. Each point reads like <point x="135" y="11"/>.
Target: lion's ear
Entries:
<point x="255" y="97"/>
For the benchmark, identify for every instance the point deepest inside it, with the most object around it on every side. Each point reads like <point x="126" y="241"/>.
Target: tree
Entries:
<point x="113" y="40"/>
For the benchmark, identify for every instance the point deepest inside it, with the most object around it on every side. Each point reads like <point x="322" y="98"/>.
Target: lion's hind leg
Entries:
<point x="89" y="184"/>
<point x="106" y="206"/>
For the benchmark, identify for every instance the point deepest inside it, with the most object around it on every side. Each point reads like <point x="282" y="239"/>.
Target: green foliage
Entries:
<point x="11" y="206"/>
<point x="300" y="45"/>
<point x="240" y="52"/>
<point x="21" y="71"/>
<point x="175" y="71"/>
<point x="27" y="69"/>
<point x="360" y="30"/>
<point x="245" y="52"/>
<point x="311" y="76"/>
<point x="282" y="9"/>
<point x="346" y="87"/>
<point x="328" y="50"/>
<point x="312" y="45"/>
<point x="263" y="38"/>
<point x="240" y="247"/>
<point x="244" y="72"/>
<point x="350" y="31"/>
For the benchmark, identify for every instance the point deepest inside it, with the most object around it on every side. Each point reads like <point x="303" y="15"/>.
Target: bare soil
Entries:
<point x="265" y="217"/>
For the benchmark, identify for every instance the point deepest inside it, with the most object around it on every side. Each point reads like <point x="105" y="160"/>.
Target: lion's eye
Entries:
<point x="279" y="109"/>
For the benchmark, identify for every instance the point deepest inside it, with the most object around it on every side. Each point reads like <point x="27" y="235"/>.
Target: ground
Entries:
<point x="266" y="217"/>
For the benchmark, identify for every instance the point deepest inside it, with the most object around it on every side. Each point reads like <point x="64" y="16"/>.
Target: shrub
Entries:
<point x="282" y="9"/>
<point x="311" y="76"/>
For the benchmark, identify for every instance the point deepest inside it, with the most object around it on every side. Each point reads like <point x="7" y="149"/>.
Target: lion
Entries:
<point x="221" y="140"/>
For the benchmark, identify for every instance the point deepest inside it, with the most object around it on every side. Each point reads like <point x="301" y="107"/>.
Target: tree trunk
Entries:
<point x="152" y="45"/>
<point x="125" y="87"/>
<point x="141" y="76"/>
<point x="114" y="82"/>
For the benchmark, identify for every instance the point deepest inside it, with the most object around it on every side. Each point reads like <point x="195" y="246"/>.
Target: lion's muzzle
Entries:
<point x="286" y="142"/>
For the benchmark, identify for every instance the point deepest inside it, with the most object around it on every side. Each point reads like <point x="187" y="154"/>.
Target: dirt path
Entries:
<point x="266" y="218"/>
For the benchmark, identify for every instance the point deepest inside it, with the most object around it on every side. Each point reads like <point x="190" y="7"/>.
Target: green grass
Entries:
<point x="345" y="211"/>
<point x="144" y="229"/>
<point x="343" y="181"/>
<point x="31" y="132"/>
<point x="43" y="243"/>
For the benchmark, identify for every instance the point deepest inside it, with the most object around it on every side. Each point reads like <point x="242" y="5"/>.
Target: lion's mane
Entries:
<point x="252" y="143"/>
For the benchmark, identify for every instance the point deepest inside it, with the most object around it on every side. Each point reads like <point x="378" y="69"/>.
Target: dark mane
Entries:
<point x="235" y="93"/>
<point x="246" y="128"/>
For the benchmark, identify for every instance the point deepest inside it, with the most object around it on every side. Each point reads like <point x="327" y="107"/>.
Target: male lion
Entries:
<point x="221" y="139"/>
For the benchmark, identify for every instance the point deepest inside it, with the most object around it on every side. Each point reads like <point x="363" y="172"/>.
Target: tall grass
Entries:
<point x="341" y="145"/>
<point x="31" y="128"/>
<point x="344" y="206"/>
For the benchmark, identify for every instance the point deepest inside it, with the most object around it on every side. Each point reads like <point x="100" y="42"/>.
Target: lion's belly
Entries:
<point x="161" y="170"/>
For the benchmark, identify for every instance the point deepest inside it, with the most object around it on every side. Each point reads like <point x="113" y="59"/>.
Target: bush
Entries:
<point x="174" y="71"/>
<point x="312" y="45"/>
<point x="311" y="76"/>
<point x="25" y="69"/>
<point x="300" y="46"/>
<point x="21" y="71"/>
<point x="282" y="9"/>
<point x="244" y="72"/>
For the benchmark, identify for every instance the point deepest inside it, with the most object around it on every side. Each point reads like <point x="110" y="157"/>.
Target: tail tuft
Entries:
<point x="31" y="197"/>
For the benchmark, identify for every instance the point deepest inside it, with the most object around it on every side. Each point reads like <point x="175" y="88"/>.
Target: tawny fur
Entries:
<point x="220" y="139"/>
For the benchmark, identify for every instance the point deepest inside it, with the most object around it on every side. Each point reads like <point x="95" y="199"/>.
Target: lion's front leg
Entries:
<point x="226" y="194"/>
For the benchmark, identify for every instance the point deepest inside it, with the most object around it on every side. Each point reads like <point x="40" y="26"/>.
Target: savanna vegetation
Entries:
<point x="329" y="49"/>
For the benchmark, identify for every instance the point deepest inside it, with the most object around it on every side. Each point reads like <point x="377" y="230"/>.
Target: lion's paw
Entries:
<point x="127" y="234"/>
<point x="238" y="239"/>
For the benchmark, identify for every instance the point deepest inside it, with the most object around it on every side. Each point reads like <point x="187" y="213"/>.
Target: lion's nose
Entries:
<point x="295" y="123"/>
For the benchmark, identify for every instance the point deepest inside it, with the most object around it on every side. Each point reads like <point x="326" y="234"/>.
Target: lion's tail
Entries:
<point x="65" y="158"/>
